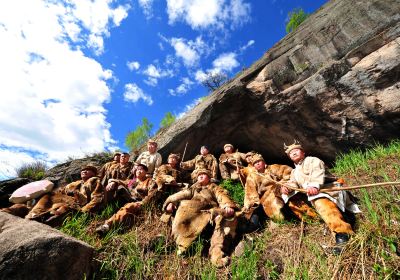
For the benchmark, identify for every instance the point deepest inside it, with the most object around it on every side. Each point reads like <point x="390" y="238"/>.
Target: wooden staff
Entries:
<point x="384" y="184"/>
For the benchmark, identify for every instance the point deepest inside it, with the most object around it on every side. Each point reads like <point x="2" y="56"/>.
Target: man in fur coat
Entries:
<point x="203" y="161"/>
<point x="143" y="191"/>
<point x="261" y="188"/>
<point x="310" y="173"/>
<point x="85" y="195"/>
<point x="230" y="163"/>
<point x="197" y="206"/>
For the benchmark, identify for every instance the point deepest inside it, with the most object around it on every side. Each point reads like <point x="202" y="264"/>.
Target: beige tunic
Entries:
<point x="208" y="162"/>
<point x="311" y="172"/>
<point x="152" y="161"/>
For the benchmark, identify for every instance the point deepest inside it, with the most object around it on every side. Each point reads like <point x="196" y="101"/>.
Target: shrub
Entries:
<point x="295" y="18"/>
<point x="34" y="170"/>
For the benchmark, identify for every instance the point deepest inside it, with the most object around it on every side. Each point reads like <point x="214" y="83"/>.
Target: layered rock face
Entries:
<point x="30" y="250"/>
<point x="333" y="84"/>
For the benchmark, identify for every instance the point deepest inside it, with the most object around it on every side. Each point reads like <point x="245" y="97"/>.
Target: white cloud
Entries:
<point x="10" y="160"/>
<point x="189" y="50"/>
<point x="183" y="88"/>
<point x="200" y="76"/>
<point x="245" y="47"/>
<point x="201" y="14"/>
<point x="226" y="61"/>
<point x="54" y="95"/>
<point x="155" y="73"/>
<point x="188" y="107"/>
<point x="133" y="94"/>
<point x="147" y="7"/>
<point x="133" y="65"/>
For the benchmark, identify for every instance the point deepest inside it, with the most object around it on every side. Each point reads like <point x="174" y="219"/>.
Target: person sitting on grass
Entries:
<point x="198" y="206"/>
<point x="310" y="174"/>
<point x="143" y="191"/>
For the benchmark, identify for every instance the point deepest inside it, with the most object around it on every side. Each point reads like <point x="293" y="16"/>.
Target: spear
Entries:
<point x="184" y="152"/>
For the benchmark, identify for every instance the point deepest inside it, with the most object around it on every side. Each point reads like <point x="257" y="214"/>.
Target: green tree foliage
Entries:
<point x="140" y="135"/>
<point x="168" y="119"/>
<point x="295" y="18"/>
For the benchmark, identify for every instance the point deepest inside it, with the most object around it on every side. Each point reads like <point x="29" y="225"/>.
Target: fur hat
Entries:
<point x="151" y="141"/>
<point x="203" y="171"/>
<point x="295" y="145"/>
<point x="177" y="156"/>
<point x="257" y="157"/>
<point x="228" y="145"/>
<point x="250" y="154"/>
<point x="117" y="154"/>
<point x="89" y="167"/>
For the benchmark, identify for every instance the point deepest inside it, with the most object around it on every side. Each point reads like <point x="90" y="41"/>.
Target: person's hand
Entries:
<point x="285" y="190"/>
<point x="229" y="211"/>
<point x="312" y="191"/>
<point x="111" y="186"/>
<point x="170" y="208"/>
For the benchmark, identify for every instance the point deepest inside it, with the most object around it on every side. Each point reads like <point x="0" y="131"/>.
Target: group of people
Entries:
<point x="191" y="198"/>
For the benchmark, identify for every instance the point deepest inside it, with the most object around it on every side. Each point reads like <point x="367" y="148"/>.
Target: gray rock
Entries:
<point x="333" y="84"/>
<point x="70" y="171"/>
<point x="30" y="250"/>
<point x="7" y="187"/>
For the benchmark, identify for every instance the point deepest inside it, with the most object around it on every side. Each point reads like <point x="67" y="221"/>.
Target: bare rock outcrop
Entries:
<point x="333" y="84"/>
<point x="30" y="250"/>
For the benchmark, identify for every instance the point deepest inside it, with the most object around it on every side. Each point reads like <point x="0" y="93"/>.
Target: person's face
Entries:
<point x="203" y="179"/>
<point x="152" y="147"/>
<point x="204" y="151"/>
<point x="248" y="159"/>
<point x="259" y="165"/>
<point x="140" y="172"/>
<point x="228" y="149"/>
<point x="87" y="174"/>
<point x="116" y="158"/>
<point x="172" y="161"/>
<point x="296" y="155"/>
<point x="124" y="158"/>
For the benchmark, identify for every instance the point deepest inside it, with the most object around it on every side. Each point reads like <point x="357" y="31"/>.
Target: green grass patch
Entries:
<point x="235" y="190"/>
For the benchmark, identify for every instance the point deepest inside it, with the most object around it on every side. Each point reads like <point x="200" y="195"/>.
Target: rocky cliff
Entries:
<point x="333" y="84"/>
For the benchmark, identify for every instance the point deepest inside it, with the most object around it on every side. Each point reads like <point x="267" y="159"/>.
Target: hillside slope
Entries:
<point x="292" y="250"/>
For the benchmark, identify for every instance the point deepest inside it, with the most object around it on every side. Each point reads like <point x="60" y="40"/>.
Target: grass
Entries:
<point x="235" y="190"/>
<point x="34" y="170"/>
<point x="289" y="250"/>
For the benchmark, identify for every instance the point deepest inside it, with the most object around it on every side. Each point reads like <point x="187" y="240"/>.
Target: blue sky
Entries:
<point x="78" y="75"/>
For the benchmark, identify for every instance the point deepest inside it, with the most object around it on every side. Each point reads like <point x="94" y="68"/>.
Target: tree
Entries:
<point x="295" y="18"/>
<point x="135" y="139"/>
<point x="168" y="119"/>
<point x="214" y="80"/>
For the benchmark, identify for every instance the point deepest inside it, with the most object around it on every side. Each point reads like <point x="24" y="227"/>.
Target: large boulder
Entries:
<point x="7" y="187"/>
<point x="333" y="84"/>
<point x="30" y="250"/>
<point x="70" y="171"/>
